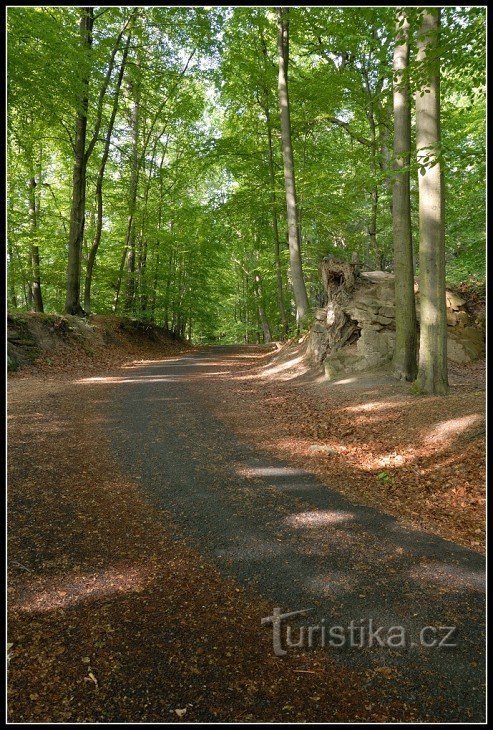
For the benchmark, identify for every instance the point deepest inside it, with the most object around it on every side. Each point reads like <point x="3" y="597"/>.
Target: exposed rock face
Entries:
<point x="355" y="331"/>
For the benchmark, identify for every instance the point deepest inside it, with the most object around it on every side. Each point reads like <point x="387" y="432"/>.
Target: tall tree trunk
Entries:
<point x="158" y="240"/>
<point x="189" y="336"/>
<point x="275" y="228"/>
<point x="273" y="203"/>
<point x="374" y="193"/>
<point x="155" y="281"/>
<point x="37" y="299"/>
<point x="171" y="269"/>
<point x="297" y="278"/>
<point x="404" y="363"/>
<point x="142" y="269"/>
<point x="134" y="182"/>
<point x="384" y="122"/>
<point x="25" y="280"/>
<point x="432" y="372"/>
<point x="76" y="232"/>
<point x="142" y="280"/>
<point x="99" y="182"/>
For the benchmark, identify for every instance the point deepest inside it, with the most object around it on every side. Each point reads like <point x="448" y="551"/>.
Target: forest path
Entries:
<point x="147" y="542"/>
<point x="299" y="544"/>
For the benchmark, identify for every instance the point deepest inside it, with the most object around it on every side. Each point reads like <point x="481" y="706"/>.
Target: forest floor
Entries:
<point x="419" y="458"/>
<point x="144" y="549"/>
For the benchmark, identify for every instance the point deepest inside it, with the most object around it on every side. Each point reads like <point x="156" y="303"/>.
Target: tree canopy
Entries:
<point x="184" y="164"/>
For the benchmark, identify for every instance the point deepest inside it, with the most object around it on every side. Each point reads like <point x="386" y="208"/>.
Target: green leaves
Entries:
<point x="205" y="198"/>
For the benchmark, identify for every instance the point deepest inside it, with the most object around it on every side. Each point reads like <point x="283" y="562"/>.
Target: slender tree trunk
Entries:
<point x="384" y="115"/>
<point x="432" y="372"/>
<point x="177" y="314"/>
<point x="11" y="276"/>
<point x="77" y="213"/>
<point x="118" y="284"/>
<point x="183" y="286"/>
<point x="142" y="274"/>
<point x="99" y="182"/>
<point x="144" y="295"/>
<point x="189" y="337"/>
<point x="167" y="297"/>
<point x="275" y="228"/>
<point x="37" y="299"/>
<point x="372" y="228"/>
<point x="264" y="322"/>
<point x="134" y="182"/>
<point x="404" y="363"/>
<point x="273" y="203"/>
<point x="158" y="240"/>
<point x="374" y="194"/>
<point x="25" y="280"/>
<point x="297" y="278"/>
<point x="154" y="283"/>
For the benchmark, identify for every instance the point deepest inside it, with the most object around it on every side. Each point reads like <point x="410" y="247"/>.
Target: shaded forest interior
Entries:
<point x="193" y="166"/>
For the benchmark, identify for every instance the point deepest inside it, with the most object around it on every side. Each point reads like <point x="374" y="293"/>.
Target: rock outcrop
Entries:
<point x="355" y="331"/>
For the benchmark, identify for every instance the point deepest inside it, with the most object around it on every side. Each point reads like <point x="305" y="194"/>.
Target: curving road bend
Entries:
<point x="302" y="545"/>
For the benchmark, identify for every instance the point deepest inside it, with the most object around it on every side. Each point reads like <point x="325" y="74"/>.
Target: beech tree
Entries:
<point x="294" y="237"/>
<point x="77" y="213"/>
<point x="432" y="374"/>
<point x="405" y="363"/>
<point x="214" y="251"/>
<point x="91" y="259"/>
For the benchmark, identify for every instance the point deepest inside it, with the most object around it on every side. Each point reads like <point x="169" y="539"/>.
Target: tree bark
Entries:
<point x="275" y="230"/>
<point x="134" y="182"/>
<point x="273" y="202"/>
<point x="384" y="116"/>
<point x="167" y="296"/>
<point x="404" y="362"/>
<point x="142" y="268"/>
<point x="264" y="322"/>
<point x="432" y="371"/>
<point x="37" y="299"/>
<point x="297" y="278"/>
<point x="77" y="213"/>
<point x="374" y="193"/>
<point x="118" y="284"/>
<point x="10" y="274"/>
<point x="158" y="240"/>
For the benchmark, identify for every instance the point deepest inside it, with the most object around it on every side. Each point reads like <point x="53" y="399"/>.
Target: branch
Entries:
<point x="103" y="11"/>
<point x="47" y="185"/>
<point x="69" y="134"/>
<point x="104" y="87"/>
<point x="162" y="105"/>
<point x="345" y="126"/>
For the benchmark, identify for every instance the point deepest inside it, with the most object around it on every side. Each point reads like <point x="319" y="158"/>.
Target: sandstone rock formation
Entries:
<point x="355" y="331"/>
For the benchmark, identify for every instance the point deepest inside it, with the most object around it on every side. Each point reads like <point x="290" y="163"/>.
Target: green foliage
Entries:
<point x="204" y="237"/>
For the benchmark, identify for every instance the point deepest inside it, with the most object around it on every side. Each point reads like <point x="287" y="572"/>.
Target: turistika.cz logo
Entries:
<point x="357" y="634"/>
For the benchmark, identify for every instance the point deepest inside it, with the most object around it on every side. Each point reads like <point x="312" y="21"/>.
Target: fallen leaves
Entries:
<point x="118" y="619"/>
<point x="437" y="486"/>
<point x="126" y="598"/>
